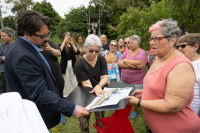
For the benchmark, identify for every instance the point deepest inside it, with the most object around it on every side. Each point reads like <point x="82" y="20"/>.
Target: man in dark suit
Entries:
<point x="29" y="74"/>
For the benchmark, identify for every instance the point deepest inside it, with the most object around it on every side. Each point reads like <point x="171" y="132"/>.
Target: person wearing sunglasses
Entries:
<point x="91" y="71"/>
<point x="189" y="46"/>
<point x="68" y="59"/>
<point x="168" y="85"/>
<point x="133" y="62"/>
<point x="126" y="40"/>
<point x="112" y="56"/>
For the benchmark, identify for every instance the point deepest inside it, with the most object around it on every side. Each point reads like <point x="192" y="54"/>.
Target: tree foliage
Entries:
<point x="20" y="5"/>
<point x="46" y="9"/>
<point x="10" y="22"/>
<point x="137" y="21"/>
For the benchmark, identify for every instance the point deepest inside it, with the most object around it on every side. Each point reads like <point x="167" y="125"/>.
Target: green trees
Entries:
<point x="46" y="8"/>
<point x="137" y="21"/>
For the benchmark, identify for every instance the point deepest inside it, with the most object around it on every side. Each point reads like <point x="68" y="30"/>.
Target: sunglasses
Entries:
<point x="182" y="46"/>
<point x="92" y="51"/>
<point x="125" y="42"/>
<point x="113" y="45"/>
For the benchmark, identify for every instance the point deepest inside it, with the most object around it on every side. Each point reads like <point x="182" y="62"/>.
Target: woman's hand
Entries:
<point x="71" y="41"/>
<point x="81" y="51"/>
<point x="137" y="93"/>
<point x="133" y="100"/>
<point x="98" y="91"/>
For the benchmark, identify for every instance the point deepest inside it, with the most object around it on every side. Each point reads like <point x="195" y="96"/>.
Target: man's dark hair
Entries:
<point x="30" y="22"/>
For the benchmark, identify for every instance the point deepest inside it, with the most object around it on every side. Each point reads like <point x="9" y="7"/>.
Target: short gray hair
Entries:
<point x="127" y="38"/>
<point x="8" y="31"/>
<point x="115" y="42"/>
<point x="136" y="38"/>
<point x="169" y="27"/>
<point x="92" y="40"/>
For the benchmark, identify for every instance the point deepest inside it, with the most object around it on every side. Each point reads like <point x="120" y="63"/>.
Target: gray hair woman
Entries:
<point x="133" y="62"/>
<point x="95" y="65"/>
<point x="165" y="96"/>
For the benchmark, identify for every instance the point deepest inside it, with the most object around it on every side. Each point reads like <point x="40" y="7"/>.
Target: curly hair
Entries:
<point x="79" y="35"/>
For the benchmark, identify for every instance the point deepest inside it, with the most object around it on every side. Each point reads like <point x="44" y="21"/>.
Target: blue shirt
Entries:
<point x="3" y="50"/>
<point x="38" y="50"/>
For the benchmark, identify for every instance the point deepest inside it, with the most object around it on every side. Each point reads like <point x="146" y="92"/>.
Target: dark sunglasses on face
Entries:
<point x="182" y="46"/>
<point x="125" y="42"/>
<point x="92" y="51"/>
<point x="113" y="45"/>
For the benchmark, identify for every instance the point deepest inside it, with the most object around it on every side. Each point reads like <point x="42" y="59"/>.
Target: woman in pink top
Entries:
<point x="168" y="85"/>
<point x="133" y="65"/>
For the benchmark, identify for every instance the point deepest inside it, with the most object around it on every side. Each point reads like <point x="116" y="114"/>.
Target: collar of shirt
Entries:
<point x="36" y="48"/>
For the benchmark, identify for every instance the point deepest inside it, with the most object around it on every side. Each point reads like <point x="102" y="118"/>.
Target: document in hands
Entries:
<point x="19" y="116"/>
<point x="111" y="97"/>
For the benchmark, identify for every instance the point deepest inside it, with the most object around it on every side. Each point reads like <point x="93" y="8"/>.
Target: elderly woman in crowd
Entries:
<point x="68" y="50"/>
<point x="126" y="41"/>
<point x="105" y="45"/>
<point x="91" y="71"/>
<point x="168" y="85"/>
<point x="133" y="65"/>
<point x="121" y="48"/>
<point x="189" y="46"/>
<point x="80" y="39"/>
<point x="112" y="56"/>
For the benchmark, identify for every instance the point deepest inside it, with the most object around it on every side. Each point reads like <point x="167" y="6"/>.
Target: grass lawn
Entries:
<point x="72" y="125"/>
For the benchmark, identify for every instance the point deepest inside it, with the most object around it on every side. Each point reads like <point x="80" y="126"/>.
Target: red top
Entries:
<point x="185" y="121"/>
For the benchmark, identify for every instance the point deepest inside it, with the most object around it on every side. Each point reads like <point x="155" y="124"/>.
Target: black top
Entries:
<point x="105" y="47"/>
<point x="81" y="72"/>
<point x="52" y="60"/>
<point x="65" y="57"/>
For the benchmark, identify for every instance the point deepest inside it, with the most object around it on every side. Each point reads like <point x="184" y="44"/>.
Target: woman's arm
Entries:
<point x="135" y="64"/>
<point x="122" y="65"/>
<point x="54" y="52"/>
<point x="63" y="43"/>
<point x="178" y="91"/>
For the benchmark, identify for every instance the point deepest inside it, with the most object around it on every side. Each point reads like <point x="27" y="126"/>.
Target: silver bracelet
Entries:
<point x="123" y="61"/>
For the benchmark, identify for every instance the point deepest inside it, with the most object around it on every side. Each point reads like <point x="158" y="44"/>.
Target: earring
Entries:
<point x="194" y="51"/>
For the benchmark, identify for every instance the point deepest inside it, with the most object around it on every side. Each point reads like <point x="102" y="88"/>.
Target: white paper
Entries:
<point x="12" y="115"/>
<point x="19" y="116"/>
<point x="35" y="117"/>
<point x="115" y="97"/>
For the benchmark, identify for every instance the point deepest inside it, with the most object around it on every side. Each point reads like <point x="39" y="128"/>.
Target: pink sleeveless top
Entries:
<point x="154" y="87"/>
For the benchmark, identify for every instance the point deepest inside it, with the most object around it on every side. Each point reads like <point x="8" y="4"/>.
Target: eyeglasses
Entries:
<point x="182" y="46"/>
<point x="92" y="51"/>
<point x="125" y="42"/>
<point x="156" y="39"/>
<point x="113" y="45"/>
<point x="44" y="37"/>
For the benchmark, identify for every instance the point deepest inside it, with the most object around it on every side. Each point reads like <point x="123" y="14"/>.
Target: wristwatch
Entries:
<point x="139" y="101"/>
<point x="100" y="85"/>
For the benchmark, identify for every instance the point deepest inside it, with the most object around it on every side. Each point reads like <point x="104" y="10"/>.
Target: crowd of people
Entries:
<point x="169" y="92"/>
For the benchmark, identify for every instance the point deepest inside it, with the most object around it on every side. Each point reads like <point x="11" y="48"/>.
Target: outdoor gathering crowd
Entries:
<point x="169" y="93"/>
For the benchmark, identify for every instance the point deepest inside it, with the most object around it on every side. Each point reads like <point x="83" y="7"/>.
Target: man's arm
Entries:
<point x="31" y="76"/>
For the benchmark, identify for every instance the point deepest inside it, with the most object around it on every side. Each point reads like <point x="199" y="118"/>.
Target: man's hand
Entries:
<point x="80" y="112"/>
<point x="98" y="91"/>
<point x="3" y="58"/>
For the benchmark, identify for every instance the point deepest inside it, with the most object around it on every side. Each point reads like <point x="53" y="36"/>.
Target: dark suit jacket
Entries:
<point x="27" y="74"/>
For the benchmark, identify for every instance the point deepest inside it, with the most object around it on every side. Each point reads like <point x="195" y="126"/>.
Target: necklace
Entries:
<point x="195" y="57"/>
